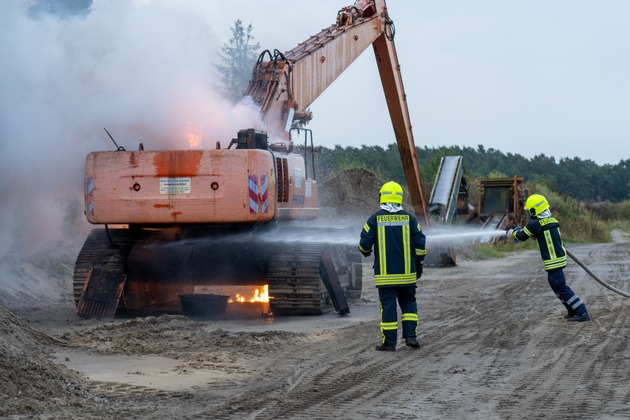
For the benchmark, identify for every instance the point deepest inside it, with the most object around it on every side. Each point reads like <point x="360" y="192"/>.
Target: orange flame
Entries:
<point x="258" y="296"/>
<point x="193" y="135"/>
<point x="193" y="139"/>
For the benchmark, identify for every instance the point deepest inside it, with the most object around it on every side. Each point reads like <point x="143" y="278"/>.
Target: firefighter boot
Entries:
<point x="412" y="342"/>
<point x="579" y="318"/>
<point x="385" y="347"/>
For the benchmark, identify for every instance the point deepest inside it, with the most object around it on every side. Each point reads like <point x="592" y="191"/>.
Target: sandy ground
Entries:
<point x="495" y="345"/>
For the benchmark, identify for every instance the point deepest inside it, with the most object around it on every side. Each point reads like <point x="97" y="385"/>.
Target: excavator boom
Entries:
<point x="391" y="78"/>
<point x="286" y="85"/>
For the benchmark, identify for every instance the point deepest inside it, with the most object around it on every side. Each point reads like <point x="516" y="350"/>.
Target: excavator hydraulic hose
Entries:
<point x="600" y="281"/>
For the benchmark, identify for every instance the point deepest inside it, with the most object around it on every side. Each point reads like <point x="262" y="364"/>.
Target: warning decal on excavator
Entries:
<point x="175" y="186"/>
<point x="258" y="197"/>
<point x="264" y="196"/>
<point x="89" y="197"/>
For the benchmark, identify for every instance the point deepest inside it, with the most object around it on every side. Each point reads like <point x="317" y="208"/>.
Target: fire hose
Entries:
<point x="600" y="281"/>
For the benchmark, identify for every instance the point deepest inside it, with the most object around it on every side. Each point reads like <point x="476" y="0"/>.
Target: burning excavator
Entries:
<point x="181" y="222"/>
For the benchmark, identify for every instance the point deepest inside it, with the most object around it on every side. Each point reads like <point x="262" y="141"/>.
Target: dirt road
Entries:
<point x="495" y="345"/>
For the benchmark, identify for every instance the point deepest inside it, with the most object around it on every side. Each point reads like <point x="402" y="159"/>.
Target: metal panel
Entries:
<point x="101" y="293"/>
<point x="183" y="186"/>
<point x="447" y="186"/>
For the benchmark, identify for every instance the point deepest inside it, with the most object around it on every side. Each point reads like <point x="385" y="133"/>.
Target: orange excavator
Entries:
<point x="176" y="221"/>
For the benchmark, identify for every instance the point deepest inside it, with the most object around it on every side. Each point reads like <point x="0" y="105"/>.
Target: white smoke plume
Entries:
<point x="142" y="69"/>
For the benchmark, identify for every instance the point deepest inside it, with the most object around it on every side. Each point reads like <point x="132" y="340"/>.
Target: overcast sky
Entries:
<point x="527" y="77"/>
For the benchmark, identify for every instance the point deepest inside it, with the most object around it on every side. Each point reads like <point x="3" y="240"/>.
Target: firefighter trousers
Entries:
<point x="406" y="298"/>
<point x="569" y="299"/>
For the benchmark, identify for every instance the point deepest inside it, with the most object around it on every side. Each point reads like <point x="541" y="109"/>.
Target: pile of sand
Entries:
<point x="353" y="192"/>
<point x="31" y="382"/>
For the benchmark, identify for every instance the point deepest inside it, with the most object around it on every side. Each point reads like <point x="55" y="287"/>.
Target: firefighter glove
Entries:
<point x="366" y="253"/>
<point x="511" y="233"/>
<point x="419" y="266"/>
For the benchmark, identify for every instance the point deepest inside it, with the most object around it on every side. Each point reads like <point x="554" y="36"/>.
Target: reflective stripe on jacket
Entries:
<point x="399" y="246"/>
<point x="549" y="241"/>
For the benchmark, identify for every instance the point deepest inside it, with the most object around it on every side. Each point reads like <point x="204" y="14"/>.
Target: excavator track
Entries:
<point x="295" y="285"/>
<point x="301" y="279"/>
<point x="98" y="251"/>
<point x="299" y="284"/>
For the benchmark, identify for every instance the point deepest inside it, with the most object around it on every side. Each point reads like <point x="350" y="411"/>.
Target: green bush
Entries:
<point x="577" y="222"/>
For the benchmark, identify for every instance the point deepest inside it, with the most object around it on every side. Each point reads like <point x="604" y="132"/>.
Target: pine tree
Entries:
<point x="239" y="57"/>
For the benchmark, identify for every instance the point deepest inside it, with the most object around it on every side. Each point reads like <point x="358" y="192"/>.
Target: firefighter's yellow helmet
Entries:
<point x="391" y="192"/>
<point x="536" y="204"/>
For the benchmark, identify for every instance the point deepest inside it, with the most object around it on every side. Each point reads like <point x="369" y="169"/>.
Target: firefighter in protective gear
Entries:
<point x="399" y="251"/>
<point x="546" y="230"/>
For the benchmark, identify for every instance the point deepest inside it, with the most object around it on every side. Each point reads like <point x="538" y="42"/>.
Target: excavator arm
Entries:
<point x="285" y="85"/>
<point x="391" y="78"/>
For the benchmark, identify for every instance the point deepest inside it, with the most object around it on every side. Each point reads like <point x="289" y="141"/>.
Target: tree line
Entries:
<point x="583" y="180"/>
